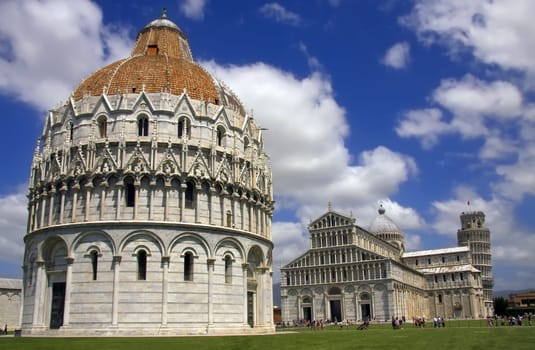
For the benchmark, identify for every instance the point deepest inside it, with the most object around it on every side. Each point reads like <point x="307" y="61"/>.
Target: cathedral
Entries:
<point x="356" y="274"/>
<point x="150" y="204"/>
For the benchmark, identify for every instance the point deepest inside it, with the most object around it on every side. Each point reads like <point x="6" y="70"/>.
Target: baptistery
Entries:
<point x="150" y="204"/>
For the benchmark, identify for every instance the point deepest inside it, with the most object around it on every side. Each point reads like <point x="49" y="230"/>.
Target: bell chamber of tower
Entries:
<point x="150" y="204"/>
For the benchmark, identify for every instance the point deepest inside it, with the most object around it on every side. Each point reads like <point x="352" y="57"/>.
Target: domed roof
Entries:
<point x="160" y="61"/>
<point x="383" y="224"/>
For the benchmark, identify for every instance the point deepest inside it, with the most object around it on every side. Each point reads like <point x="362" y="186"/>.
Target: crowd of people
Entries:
<point x="509" y="320"/>
<point x="399" y="322"/>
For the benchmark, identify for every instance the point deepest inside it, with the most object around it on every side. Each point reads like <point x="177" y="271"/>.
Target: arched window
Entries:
<point x="228" y="269"/>
<point x="190" y="195"/>
<point x="102" y="126"/>
<point x="188" y="266"/>
<point x="143" y="126"/>
<point x="130" y="192"/>
<point x="142" y="265"/>
<point x="94" y="264"/>
<point x="184" y="127"/>
<point x="220" y="135"/>
<point x="440" y="298"/>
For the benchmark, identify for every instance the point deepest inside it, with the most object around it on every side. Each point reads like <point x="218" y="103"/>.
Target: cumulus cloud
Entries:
<point x="193" y="9"/>
<point x="472" y="97"/>
<point x="313" y="165"/>
<point x="13" y="216"/>
<point x="290" y="239"/>
<point x="37" y="36"/>
<point x="518" y="179"/>
<point x="279" y="13"/>
<point x="494" y="32"/>
<point x="478" y="108"/>
<point x="426" y="124"/>
<point x="397" y="56"/>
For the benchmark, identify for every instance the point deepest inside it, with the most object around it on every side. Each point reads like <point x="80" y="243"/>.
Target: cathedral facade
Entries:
<point x="353" y="274"/>
<point x="150" y="204"/>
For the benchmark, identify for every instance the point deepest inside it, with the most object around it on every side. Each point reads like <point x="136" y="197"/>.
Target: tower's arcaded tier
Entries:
<point x="150" y="203"/>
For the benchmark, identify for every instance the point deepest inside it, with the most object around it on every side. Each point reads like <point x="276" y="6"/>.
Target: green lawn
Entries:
<point x="377" y="337"/>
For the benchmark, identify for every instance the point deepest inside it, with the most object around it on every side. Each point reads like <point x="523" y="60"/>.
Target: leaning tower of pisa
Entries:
<point x="474" y="234"/>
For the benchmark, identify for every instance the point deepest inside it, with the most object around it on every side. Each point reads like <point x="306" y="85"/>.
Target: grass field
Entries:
<point x="377" y="337"/>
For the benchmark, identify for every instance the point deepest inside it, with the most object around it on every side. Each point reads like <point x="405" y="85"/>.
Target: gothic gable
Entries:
<point x="183" y="106"/>
<point x="137" y="163"/>
<point x="331" y="219"/>
<point x="221" y="117"/>
<point x="168" y="165"/>
<point x="78" y="163"/>
<point x="199" y="166"/>
<point x="102" y="105"/>
<point x="143" y="103"/>
<point x="224" y="172"/>
<point x="105" y="162"/>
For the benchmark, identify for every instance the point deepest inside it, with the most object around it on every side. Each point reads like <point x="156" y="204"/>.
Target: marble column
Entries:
<point x="244" y="271"/>
<point x="68" y="288"/>
<point x="165" y="288"/>
<point x="210" y="266"/>
<point x="38" y="294"/>
<point x="115" y="297"/>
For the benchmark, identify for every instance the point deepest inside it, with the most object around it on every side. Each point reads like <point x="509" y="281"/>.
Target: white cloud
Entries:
<point x="13" y="216"/>
<point x="290" y="240"/>
<point x="478" y="109"/>
<point x="470" y="97"/>
<point x="497" y="146"/>
<point x="426" y="124"/>
<point x="280" y="14"/>
<point x="306" y="132"/>
<point x="37" y="36"/>
<point x="312" y="160"/>
<point x="518" y="179"/>
<point x="313" y="62"/>
<point x="495" y="32"/>
<point x="397" y="56"/>
<point x="193" y="9"/>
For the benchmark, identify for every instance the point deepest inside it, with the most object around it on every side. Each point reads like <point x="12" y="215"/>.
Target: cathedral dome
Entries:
<point x="382" y="223"/>
<point x="385" y="228"/>
<point x="160" y="61"/>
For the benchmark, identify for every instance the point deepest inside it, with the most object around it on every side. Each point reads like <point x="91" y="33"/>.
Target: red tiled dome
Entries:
<point x="161" y="60"/>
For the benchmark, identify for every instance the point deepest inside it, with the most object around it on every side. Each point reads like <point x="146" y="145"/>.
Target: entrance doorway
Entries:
<point x="58" y="304"/>
<point x="307" y="313"/>
<point x="336" y="310"/>
<point x="250" y="308"/>
<point x="365" y="311"/>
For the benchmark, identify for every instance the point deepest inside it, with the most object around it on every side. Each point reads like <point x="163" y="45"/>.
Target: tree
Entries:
<point x="500" y="306"/>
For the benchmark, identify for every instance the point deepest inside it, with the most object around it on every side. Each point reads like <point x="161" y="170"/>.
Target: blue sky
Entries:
<point x="419" y="105"/>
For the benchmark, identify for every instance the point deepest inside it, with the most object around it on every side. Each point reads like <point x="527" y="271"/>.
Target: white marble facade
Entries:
<point x="353" y="274"/>
<point x="149" y="210"/>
